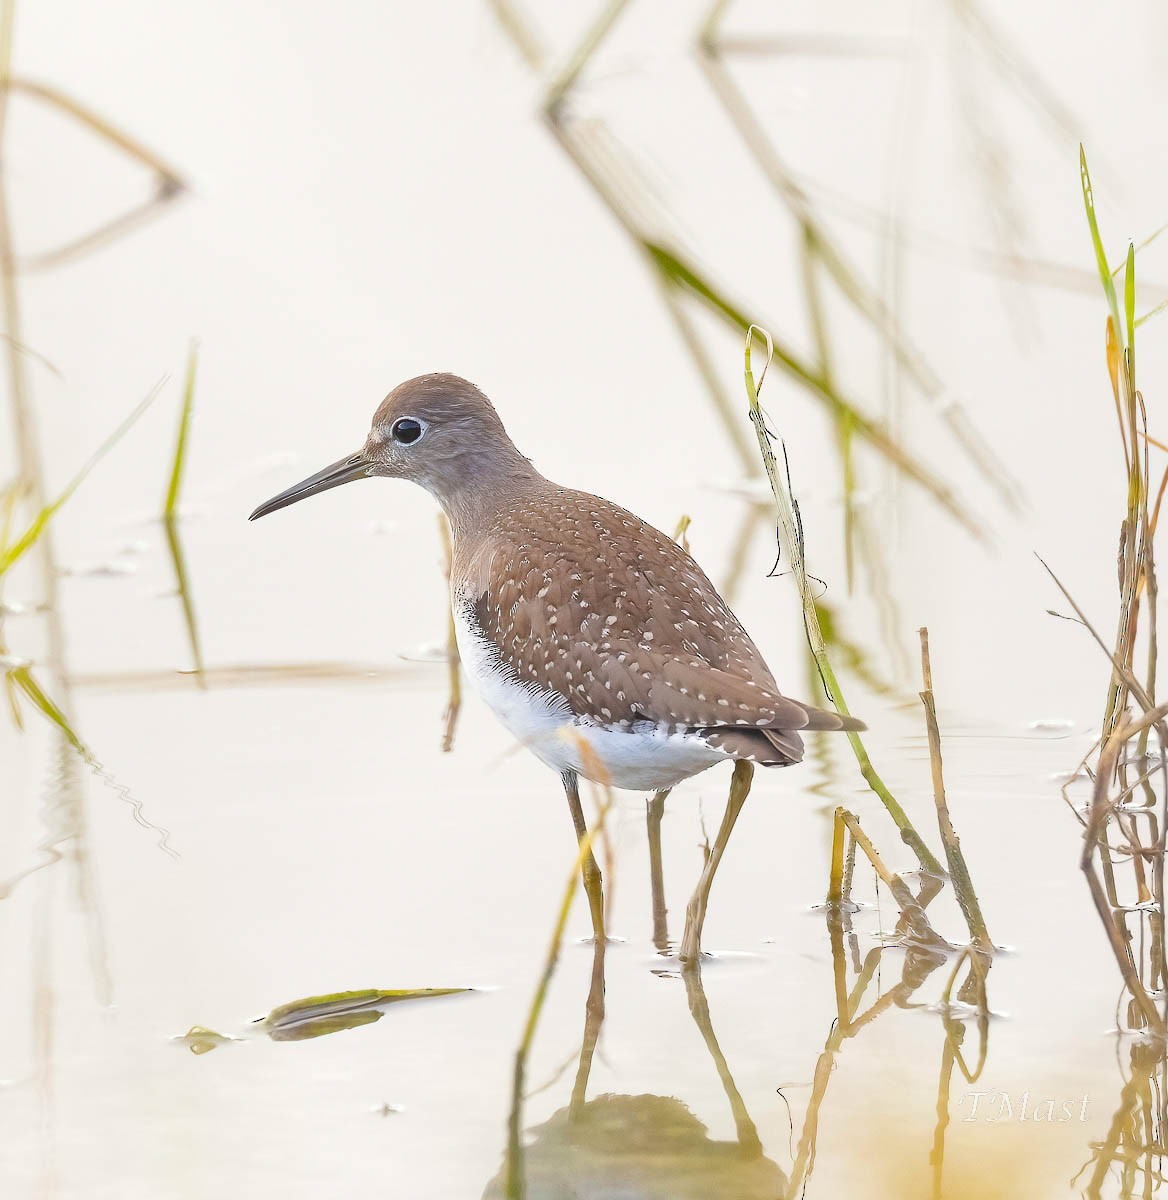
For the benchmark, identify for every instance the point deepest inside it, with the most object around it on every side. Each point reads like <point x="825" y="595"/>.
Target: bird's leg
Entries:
<point x="695" y="912"/>
<point x="654" y="811"/>
<point x="593" y="885"/>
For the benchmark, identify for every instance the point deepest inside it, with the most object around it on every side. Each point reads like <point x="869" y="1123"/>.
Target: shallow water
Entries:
<point x="372" y="197"/>
<point x="372" y="886"/>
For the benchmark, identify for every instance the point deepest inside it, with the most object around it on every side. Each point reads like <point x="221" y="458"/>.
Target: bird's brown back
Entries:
<point x="581" y="597"/>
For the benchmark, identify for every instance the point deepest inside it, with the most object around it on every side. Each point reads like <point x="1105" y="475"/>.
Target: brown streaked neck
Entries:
<point x="476" y="485"/>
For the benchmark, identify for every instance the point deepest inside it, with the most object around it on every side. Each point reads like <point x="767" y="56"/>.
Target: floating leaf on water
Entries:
<point x="319" y="1015"/>
<point x="201" y="1040"/>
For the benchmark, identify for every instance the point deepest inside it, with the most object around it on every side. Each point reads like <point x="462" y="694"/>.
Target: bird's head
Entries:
<point x="438" y="431"/>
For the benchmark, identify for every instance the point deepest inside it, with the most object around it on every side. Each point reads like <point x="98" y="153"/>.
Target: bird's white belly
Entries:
<point x="645" y="757"/>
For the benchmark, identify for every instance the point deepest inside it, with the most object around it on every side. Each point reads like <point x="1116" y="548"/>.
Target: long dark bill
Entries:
<point x="356" y="466"/>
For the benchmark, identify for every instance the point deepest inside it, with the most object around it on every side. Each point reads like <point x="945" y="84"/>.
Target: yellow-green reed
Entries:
<point x="791" y="542"/>
<point x="170" y="516"/>
<point x="12" y="553"/>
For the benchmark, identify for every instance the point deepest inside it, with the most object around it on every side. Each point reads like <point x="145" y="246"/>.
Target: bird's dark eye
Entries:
<point x="406" y="430"/>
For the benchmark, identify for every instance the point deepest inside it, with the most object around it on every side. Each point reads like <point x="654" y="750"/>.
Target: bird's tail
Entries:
<point x="820" y="718"/>
<point x="776" y="747"/>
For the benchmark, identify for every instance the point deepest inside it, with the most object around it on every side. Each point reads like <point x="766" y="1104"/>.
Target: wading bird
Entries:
<point x="595" y="639"/>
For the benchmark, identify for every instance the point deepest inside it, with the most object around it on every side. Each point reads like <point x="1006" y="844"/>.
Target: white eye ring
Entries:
<point x="405" y="431"/>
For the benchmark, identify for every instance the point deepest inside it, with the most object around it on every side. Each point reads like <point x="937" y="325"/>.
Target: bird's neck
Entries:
<point x="481" y="485"/>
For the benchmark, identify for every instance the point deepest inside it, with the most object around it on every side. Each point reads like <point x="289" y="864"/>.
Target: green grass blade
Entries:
<point x="1153" y="312"/>
<point x="186" y="597"/>
<point x="23" y="678"/>
<point x="184" y="425"/>
<point x="678" y="273"/>
<point x="1140" y="246"/>
<point x="1129" y="310"/>
<point x="10" y="554"/>
<point x="1097" y="241"/>
<point x="10" y="494"/>
<point x="170" y="515"/>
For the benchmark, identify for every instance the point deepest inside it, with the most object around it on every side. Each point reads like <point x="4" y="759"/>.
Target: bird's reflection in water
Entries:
<point x="639" y="1148"/>
<point x="646" y="1147"/>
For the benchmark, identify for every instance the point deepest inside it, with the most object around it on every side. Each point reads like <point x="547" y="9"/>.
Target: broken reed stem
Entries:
<point x="836" y="915"/>
<point x="835" y="882"/>
<point x="791" y="544"/>
<point x="453" y="662"/>
<point x="958" y="870"/>
<point x="906" y="901"/>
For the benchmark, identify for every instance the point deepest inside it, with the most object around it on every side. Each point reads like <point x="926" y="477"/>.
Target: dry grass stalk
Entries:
<point x="958" y="870"/>
<point x="1126" y="820"/>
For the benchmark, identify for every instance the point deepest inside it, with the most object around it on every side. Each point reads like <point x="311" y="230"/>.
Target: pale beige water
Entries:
<point x="372" y="197"/>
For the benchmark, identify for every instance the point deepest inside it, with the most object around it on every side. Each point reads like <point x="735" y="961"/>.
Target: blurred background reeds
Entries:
<point x="236" y="762"/>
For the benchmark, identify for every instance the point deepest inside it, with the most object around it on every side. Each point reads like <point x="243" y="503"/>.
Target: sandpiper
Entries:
<point x="595" y="639"/>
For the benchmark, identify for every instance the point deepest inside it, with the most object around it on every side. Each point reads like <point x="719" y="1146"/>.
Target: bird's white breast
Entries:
<point x="645" y="757"/>
<point x="533" y="714"/>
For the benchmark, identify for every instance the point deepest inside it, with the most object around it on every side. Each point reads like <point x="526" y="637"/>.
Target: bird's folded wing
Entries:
<point x="626" y="628"/>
